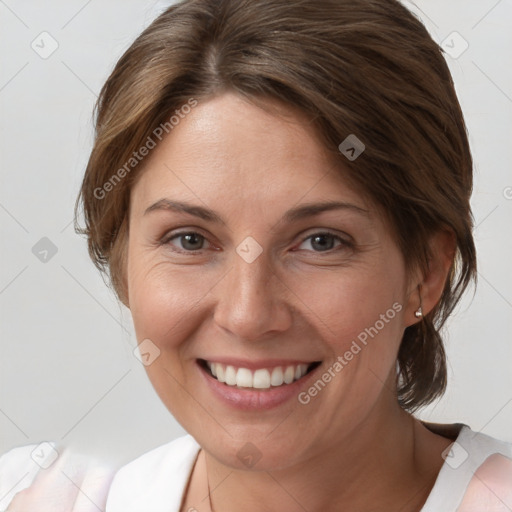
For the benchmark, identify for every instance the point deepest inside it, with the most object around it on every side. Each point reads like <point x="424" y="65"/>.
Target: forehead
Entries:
<point x="229" y="151"/>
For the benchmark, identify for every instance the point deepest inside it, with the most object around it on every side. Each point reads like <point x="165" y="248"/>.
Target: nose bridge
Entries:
<point x="250" y="300"/>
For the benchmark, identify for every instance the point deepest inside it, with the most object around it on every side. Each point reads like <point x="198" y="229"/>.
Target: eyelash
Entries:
<point x="343" y="243"/>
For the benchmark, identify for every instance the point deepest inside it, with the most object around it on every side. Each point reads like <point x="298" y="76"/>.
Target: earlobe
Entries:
<point x="419" y="312"/>
<point x="121" y="289"/>
<point x="429" y="286"/>
<point x="442" y="253"/>
<point x="124" y="297"/>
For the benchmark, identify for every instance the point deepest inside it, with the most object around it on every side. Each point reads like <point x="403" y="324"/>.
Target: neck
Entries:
<point x="386" y="460"/>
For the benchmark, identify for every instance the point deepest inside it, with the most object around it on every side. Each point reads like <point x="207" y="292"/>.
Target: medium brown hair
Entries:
<point x="363" y="67"/>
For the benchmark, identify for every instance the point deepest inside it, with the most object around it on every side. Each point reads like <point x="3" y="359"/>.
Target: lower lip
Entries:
<point x="250" y="399"/>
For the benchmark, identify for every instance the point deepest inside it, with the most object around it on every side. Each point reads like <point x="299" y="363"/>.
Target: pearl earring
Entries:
<point x="419" y="312"/>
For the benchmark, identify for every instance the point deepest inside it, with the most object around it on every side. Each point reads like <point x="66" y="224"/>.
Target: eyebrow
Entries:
<point x="292" y="215"/>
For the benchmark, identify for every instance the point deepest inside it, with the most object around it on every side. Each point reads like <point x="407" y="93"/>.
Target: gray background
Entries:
<point x="67" y="369"/>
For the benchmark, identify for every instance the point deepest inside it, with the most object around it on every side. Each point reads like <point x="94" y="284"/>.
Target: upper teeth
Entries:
<point x="262" y="378"/>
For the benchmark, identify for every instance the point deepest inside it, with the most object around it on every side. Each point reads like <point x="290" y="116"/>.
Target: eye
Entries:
<point x="325" y="241"/>
<point x="189" y="241"/>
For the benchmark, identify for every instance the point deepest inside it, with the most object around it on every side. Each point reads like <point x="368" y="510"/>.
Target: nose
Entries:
<point x="251" y="300"/>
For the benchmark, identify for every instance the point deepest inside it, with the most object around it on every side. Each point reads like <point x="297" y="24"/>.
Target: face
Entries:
<point x="246" y="273"/>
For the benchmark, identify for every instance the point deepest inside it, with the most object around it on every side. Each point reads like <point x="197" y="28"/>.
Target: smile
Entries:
<point x="260" y="378"/>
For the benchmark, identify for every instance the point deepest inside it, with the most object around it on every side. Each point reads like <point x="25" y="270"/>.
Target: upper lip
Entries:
<point x="255" y="364"/>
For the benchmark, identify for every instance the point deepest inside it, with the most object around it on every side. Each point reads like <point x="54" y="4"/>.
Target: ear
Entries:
<point x="124" y="300"/>
<point x="123" y="293"/>
<point x="430" y="285"/>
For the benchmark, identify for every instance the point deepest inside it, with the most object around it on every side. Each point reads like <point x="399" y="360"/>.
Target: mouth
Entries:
<point x="260" y="379"/>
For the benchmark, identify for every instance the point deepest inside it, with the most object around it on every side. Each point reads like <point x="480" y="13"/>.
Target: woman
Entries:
<point x="279" y="192"/>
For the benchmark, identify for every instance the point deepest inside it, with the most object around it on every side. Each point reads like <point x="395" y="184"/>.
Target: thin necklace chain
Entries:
<point x="209" y="493"/>
<point x="208" y="484"/>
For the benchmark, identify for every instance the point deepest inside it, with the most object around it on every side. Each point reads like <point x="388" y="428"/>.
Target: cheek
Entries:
<point x="348" y="303"/>
<point x="163" y="299"/>
<point x="164" y="303"/>
<point x="358" y="316"/>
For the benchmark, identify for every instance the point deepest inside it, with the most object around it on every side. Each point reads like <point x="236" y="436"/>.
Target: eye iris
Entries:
<point x="190" y="238"/>
<point x="323" y="246"/>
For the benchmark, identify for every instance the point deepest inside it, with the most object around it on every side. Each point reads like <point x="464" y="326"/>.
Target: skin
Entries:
<point x="352" y="444"/>
<point x="489" y="489"/>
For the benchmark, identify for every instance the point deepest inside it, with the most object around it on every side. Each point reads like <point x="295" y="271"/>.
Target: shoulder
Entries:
<point x="476" y="475"/>
<point x="17" y="471"/>
<point x="45" y="474"/>
<point x="490" y="486"/>
<point x="156" y="480"/>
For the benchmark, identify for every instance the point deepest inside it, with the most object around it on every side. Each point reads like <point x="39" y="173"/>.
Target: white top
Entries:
<point x="46" y="477"/>
<point x="156" y="481"/>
